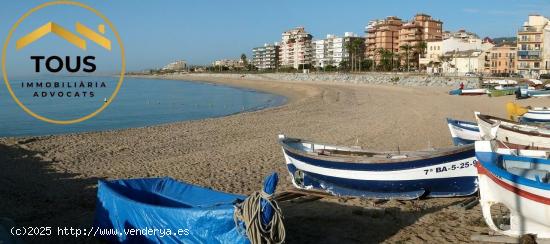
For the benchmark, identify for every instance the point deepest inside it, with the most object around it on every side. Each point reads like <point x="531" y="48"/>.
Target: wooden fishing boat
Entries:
<point x="526" y="92"/>
<point x="528" y="114"/>
<point x="351" y="171"/>
<point x="463" y="132"/>
<point x="512" y="134"/>
<point x="474" y="92"/>
<point x="469" y="92"/>
<point x="519" y="183"/>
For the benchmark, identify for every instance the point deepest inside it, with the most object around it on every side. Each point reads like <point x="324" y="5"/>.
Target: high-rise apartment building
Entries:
<point x="334" y="50"/>
<point x="296" y="48"/>
<point x="392" y="33"/>
<point x="266" y="56"/>
<point x="382" y="35"/>
<point x="533" y="58"/>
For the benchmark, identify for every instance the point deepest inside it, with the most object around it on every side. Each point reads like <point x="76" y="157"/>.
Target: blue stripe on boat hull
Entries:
<point x="529" y="120"/>
<point x="406" y="189"/>
<point x="384" y="166"/>
<point x="457" y="141"/>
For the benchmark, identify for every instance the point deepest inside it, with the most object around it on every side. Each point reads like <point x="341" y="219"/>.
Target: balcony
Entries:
<point x="529" y="52"/>
<point x="528" y="29"/>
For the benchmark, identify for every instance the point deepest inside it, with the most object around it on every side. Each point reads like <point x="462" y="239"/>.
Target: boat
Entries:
<point x="528" y="114"/>
<point x="469" y="92"/>
<point x="474" y="92"/>
<point x="511" y="134"/>
<point x="463" y="132"/>
<point x="531" y="92"/>
<point x="170" y="211"/>
<point x="536" y="116"/>
<point x="354" y="172"/>
<point x="499" y="88"/>
<point x="502" y="92"/>
<point x="519" y="183"/>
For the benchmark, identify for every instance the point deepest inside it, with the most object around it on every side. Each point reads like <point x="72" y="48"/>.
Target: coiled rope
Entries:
<point x="249" y="212"/>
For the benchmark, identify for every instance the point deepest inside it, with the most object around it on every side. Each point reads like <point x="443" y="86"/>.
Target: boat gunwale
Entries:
<point x="487" y="119"/>
<point x="437" y="152"/>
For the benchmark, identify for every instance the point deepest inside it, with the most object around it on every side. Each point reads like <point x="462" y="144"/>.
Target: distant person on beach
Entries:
<point x="461" y="85"/>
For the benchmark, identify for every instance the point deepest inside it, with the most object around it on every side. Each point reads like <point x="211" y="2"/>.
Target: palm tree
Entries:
<point x="420" y="48"/>
<point x="243" y="59"/>
<point x="358" y="45"/>
<point x="385" y="58"/>
<point x="349" y="48"/>
<point x="407" y="48"/>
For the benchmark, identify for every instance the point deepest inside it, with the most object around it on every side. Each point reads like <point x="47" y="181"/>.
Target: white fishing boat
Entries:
<point x="463" y="132"/>
<point x="512" y="134"/>
<point x="519" y="183"/>
<point x="352" y="171"/>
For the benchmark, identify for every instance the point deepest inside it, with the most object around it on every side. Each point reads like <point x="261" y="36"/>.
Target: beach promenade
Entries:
<point x="51" y="180"/>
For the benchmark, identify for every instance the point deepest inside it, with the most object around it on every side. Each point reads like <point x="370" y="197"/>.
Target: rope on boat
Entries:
<point x="249" y="212"/>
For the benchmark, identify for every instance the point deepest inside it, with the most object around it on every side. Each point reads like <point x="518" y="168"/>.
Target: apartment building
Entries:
<point x="176" y="66"/>
<point x="296" y="48"/>
<point x="266" y="56"/>
<point x="229" y="63"/>
<point x="460" y="34"/>
<point x="392" y="33"/>
<point x="333" y="50"/>
<point x="422" y="28"/>
<point x="382" y="34"/>
<point x="501" y="59"/>
<point x="532" y="58"/>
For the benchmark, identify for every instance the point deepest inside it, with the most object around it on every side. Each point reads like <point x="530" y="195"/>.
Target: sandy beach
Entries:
<point x="51" y="180"/>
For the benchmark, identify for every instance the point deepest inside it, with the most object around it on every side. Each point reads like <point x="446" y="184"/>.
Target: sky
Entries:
<point x="157" y="32"/>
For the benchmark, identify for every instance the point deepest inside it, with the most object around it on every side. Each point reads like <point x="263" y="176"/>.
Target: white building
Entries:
<point x="176" y="65"/>
<point x="333" y="49"/>
<point x="462" y="62"/>
<point x="230" y="63"/>
<point x="266" y="57"/>
<point x="460" y="34"/>
<point x="435" y="50"/>
<point x="296" y="48"/>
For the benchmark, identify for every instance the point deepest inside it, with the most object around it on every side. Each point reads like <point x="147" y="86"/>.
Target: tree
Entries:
<point x="358" y="48"/>
<point x="407" y="48"/>
<point x="386" y="57"/>
<point x="355" y="52"/>
<point x="420" y="48"/>
<point x="244" y="60"/>
<point x="349" y="48"/>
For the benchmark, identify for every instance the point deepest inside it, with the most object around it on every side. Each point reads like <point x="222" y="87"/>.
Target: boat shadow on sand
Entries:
<point x="333" y="222"/>
<point x="34" y="194"/>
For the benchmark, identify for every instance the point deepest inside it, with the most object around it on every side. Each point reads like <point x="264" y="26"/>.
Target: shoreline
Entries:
<point x="234" y="153"/>
<point x="284" y="101"/>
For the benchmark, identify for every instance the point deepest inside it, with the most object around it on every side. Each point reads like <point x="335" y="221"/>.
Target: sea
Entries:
<point x="140" y="102"/>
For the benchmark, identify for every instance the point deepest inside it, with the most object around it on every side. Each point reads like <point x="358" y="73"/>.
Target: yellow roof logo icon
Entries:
<point x="74" y="39"/>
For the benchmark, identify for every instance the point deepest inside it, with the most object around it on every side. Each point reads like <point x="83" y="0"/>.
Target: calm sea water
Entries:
<point x="140" y="102"/>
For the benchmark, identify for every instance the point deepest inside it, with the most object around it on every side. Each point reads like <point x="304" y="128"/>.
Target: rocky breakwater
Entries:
<point x="399" y="79"/>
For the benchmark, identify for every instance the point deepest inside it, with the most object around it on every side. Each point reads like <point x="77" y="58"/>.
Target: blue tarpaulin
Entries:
<point x="163" y="210"/>
<point x="163" y="204"/>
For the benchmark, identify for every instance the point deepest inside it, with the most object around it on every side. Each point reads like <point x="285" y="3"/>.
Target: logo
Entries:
<point x="64" y="68"/>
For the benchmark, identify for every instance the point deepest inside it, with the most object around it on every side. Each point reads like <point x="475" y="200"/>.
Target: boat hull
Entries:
<point x="473" y="92"/>
<point x="165" y="204"/>
<point x="462" y="132"/>
<point x="536" y="116"/>
<point x="527" y="199"/>
<point x="437" y="177"/>
<point x="513" y="137"/>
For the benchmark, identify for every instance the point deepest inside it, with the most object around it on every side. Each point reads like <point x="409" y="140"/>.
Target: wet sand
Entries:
<point x="51" y="180"/>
